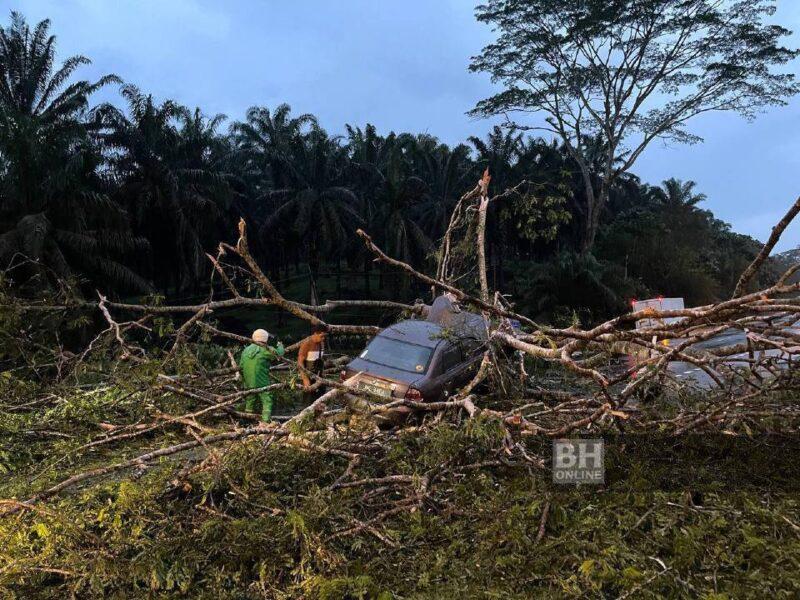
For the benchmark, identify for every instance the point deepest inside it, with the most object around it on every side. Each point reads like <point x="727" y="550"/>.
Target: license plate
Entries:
<point x="375" y="389"/>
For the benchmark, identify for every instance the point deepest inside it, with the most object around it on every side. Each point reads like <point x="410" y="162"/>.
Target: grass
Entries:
<point x="700" y="516"/>
<point x="708" y="517"/>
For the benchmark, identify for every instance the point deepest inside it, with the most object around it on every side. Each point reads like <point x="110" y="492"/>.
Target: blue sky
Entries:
<point x="399" y="65"/>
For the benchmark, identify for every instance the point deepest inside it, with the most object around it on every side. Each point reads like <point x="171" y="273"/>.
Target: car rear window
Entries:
<point x="397" y="354"/>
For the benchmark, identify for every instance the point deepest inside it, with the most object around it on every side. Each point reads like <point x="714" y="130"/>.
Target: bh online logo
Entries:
<point x="578" y="461"/>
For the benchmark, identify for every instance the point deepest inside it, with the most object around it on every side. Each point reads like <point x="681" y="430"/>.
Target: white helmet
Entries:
<point x="261" y="335"/>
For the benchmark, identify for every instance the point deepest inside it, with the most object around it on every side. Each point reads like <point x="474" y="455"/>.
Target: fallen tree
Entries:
<point x="741" y="389"/>
<point x="752" y="389"/>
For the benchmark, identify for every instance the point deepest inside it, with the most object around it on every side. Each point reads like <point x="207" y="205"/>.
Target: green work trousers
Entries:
<point x="265" y="399"/>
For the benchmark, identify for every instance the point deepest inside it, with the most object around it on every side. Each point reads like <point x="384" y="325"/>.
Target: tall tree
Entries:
<point x="499" y="153"/>
<point x="175" y="194"/>
<point x="679" y="194"/>
<point x="381" y="169"/>
<point x="316" y="212"/>
<point x="629" y="72"/>
<point x="54" y="210"/>
<point x="269" y="141"/>
<point x="446" y="171"/>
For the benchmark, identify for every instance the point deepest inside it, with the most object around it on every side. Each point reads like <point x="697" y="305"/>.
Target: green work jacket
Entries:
<point x="255" y="362"/>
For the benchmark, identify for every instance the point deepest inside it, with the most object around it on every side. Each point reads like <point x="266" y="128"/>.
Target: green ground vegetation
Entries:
<point x="699" y="516"/>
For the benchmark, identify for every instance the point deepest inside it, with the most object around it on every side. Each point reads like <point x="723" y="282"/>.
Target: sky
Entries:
<point x="399" y="65"/>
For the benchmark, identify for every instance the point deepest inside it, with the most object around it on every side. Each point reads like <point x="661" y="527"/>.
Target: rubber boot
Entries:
<point x="266" y="407"/>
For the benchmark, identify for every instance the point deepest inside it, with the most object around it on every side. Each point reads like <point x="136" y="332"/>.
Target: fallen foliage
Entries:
<point x="131" y="469"/>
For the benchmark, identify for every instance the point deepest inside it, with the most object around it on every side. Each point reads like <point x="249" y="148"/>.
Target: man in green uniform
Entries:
<point x="254" y="363"/>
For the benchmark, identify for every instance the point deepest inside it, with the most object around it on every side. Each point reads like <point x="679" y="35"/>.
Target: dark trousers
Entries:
<point x="316" y="367"/>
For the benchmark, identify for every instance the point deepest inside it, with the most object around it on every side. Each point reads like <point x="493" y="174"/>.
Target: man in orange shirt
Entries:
<point x="310" y="355"/>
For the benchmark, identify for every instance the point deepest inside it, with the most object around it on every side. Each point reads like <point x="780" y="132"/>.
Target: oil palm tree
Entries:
<point x="499" y="152"/>
<point x="570" y="282"/>
<point x="367" y="158"/>
<point x="382" y="170"/>
<point x="54" y="209"/>
<point x="369" y="155"/>
<point x="401" y="236"/>
<point x="677" y="194"/>
<point x="268" y="142"/>
<point x="204" y="157"/>
<point x="159" y="155"/>
<point x="447" y="172"/>
<point x="316" y="212"/>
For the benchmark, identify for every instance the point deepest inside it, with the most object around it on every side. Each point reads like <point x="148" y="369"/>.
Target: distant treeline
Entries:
<point x="129" y="200"/>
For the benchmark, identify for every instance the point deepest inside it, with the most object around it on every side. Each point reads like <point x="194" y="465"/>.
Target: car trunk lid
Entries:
<point x="380" y="380"/>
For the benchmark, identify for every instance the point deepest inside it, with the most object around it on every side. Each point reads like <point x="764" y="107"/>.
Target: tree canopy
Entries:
<point x="608" y="78"/>
<point x="130" y="197"/>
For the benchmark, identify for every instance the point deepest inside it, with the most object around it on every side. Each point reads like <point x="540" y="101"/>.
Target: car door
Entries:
<point x="472" y="349"/>
<point x="453" y="368"/>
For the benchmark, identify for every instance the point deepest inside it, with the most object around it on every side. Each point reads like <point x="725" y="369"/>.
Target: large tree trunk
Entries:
<point x="593" y="202"/>
<point x="482" y="207"/>
<point x="594" y="208"/>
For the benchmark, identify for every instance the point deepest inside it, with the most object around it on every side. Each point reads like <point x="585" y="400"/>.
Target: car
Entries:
<point x="419" y="360"/>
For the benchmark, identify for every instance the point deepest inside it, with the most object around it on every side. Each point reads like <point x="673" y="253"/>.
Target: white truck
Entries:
<point x="659" y="304"/>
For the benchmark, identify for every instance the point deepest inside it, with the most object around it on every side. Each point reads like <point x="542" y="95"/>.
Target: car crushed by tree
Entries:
<point x="421" y="359"/>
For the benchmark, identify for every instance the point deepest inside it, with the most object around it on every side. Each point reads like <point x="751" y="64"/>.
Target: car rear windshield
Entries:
<point x="397" y="354"/>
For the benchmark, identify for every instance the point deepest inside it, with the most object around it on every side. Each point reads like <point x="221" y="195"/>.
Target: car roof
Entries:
<point x="422" y="333"/>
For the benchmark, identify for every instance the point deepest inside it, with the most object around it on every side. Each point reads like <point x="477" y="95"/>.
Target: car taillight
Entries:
<point x="343" y="375"/>
<point x="414" y="394"/>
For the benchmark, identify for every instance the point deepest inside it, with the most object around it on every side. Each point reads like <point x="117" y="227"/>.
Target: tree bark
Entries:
<point x="484" y="205"/>
<point x="777" y="231"/>
<point x="482" y="208"/>
<point x="594" y="208"/>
